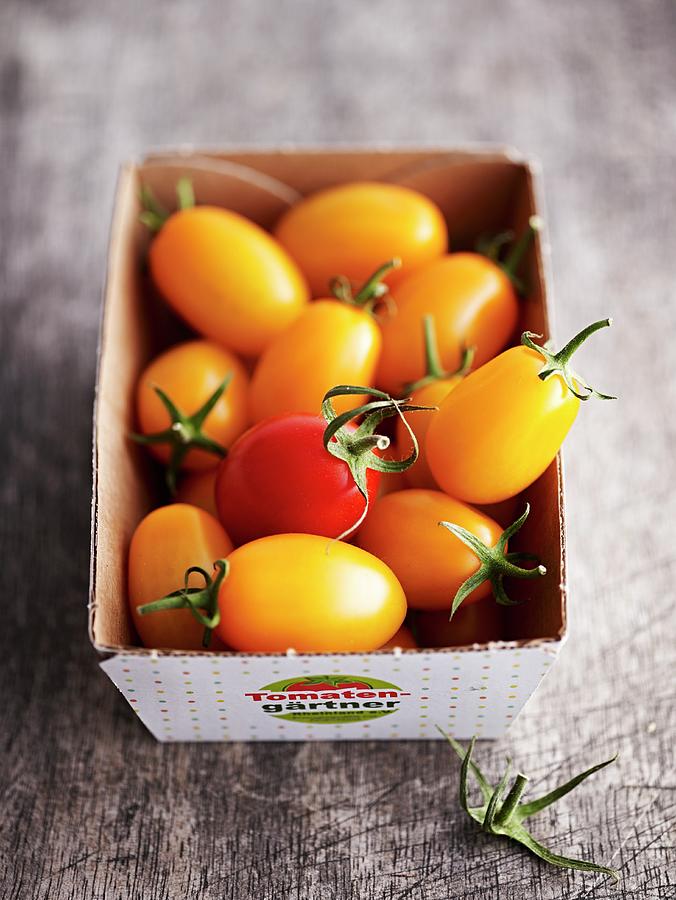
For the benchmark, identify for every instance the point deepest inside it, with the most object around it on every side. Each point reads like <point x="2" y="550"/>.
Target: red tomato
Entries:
<point x="279" y="479"/>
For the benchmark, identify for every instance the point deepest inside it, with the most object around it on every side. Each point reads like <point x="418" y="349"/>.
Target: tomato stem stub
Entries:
<point x="202" y="602"/>
<point x="505" y="818"/>
<point x="495" y="563"/>
<point x="357" y="447"/>
<point x="492" y="247"/>
<point x="371" y="293"/>
<point x="434" y="371"/>
<point x="153" y="215"/>
<point x="559" y="363"/>
<point x="185" y="432"/>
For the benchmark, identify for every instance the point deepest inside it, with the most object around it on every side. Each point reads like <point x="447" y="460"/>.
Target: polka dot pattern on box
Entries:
<point x="383" y="697"/>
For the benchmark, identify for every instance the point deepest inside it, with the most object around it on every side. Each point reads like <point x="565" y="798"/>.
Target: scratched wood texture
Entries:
<point x="91" y="806"/>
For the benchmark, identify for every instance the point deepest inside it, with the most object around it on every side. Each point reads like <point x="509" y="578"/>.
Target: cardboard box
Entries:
<point x="237" y="696"/>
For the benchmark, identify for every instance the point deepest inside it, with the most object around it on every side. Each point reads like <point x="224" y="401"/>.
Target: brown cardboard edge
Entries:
<point x="489" y="152"/>
<point x="283" y="192"/>
<point x="125" y="174"/>
<point x="544" y="265"/>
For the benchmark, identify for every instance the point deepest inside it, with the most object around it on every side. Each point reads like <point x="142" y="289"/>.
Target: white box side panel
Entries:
<point x="374" y="697"/>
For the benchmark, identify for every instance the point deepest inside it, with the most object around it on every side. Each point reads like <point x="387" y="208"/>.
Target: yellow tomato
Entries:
<point x="198" y="489"/>
<point x="330" y="343"/>
<point x="473" y="303"/>
<point x="227" y="278"/>
<point x="305" y="592"/>
<point x="403" y="530"/>
<point x="167" y="542"/>
<point x="351" y="228"/>
<point x="500" y="429"/>
<point x="189" y="374"/>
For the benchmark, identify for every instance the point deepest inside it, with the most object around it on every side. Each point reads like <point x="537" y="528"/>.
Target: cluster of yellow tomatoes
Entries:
<point x="347" y="400"/>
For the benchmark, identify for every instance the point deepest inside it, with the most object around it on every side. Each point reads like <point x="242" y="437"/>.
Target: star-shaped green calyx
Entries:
<point x="357" y="446"/>
<point x="505" y="818"/>
<point x="495" y="563"/>
<point x="202" y="602"/>
<point x="185" y="432"/>
<point x="559" y="363"/>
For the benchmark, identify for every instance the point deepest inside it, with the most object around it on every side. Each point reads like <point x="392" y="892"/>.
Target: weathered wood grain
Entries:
<point x="91" y="806"/>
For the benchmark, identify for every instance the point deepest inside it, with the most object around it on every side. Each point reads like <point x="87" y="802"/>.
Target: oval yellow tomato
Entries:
<point x="330" y="343"/>
<point x="199" y="489"/>
<point x="305" y="592"/>
<point x="167" y="542"/>
<point x="351" y="228"/>
<point x="227" y="278"/>
<point x="189" y="374"/>
<point x="403" y="530"/>
<point x="478" y="623"/>
<point x="473" y="303"/>
<point x="503" y="425"/>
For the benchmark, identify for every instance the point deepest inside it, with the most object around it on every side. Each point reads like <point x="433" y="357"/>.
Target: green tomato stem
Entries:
<point x="434" y="371"/>
<point x="520" y="247"/>
<point x="495" y="563"/>
<point x="508" y="820"/>
<point x="559" y="363"/>
<point x="153" y="215"/>
<point x="202" y="602"/>
<point x="185" y="193"/>
<point x="373" y="291"/>
<point x="511" y="800"/>
<point x="185" y="432"/>
<point x="356" y="447"/>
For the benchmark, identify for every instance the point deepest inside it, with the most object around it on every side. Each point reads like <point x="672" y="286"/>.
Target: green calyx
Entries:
<point x="505" y="817"/>
<point x="202" y="602"/>
<point x="495" y="563"/>
<point x="153" y="214"/>
<point x="373" y="292"/>
<point x="559" y="363"/>
<point x="357" y="447"/>
<point x="492" y="247"/>
<point x="434" y="371"/>
<point x="185" y="432"/>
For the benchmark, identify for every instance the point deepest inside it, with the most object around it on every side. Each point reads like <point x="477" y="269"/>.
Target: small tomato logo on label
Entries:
<point x="329" y="699"/>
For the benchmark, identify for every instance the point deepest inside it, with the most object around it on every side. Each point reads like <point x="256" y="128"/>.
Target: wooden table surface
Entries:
<point x="92" y="807"/>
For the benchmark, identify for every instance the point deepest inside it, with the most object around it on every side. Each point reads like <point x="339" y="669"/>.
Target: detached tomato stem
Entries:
<point x="356" y="447"/>
<point x="185" y="431"/>
<point x="496" y="563"/>
<point x="559" y="363"/>
<point x="434" y="369"/>
<point x="202" y="602"/>
<point x="505" y="818"/>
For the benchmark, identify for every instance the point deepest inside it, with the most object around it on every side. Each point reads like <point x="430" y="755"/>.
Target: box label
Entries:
<point x="328" y="699"/>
